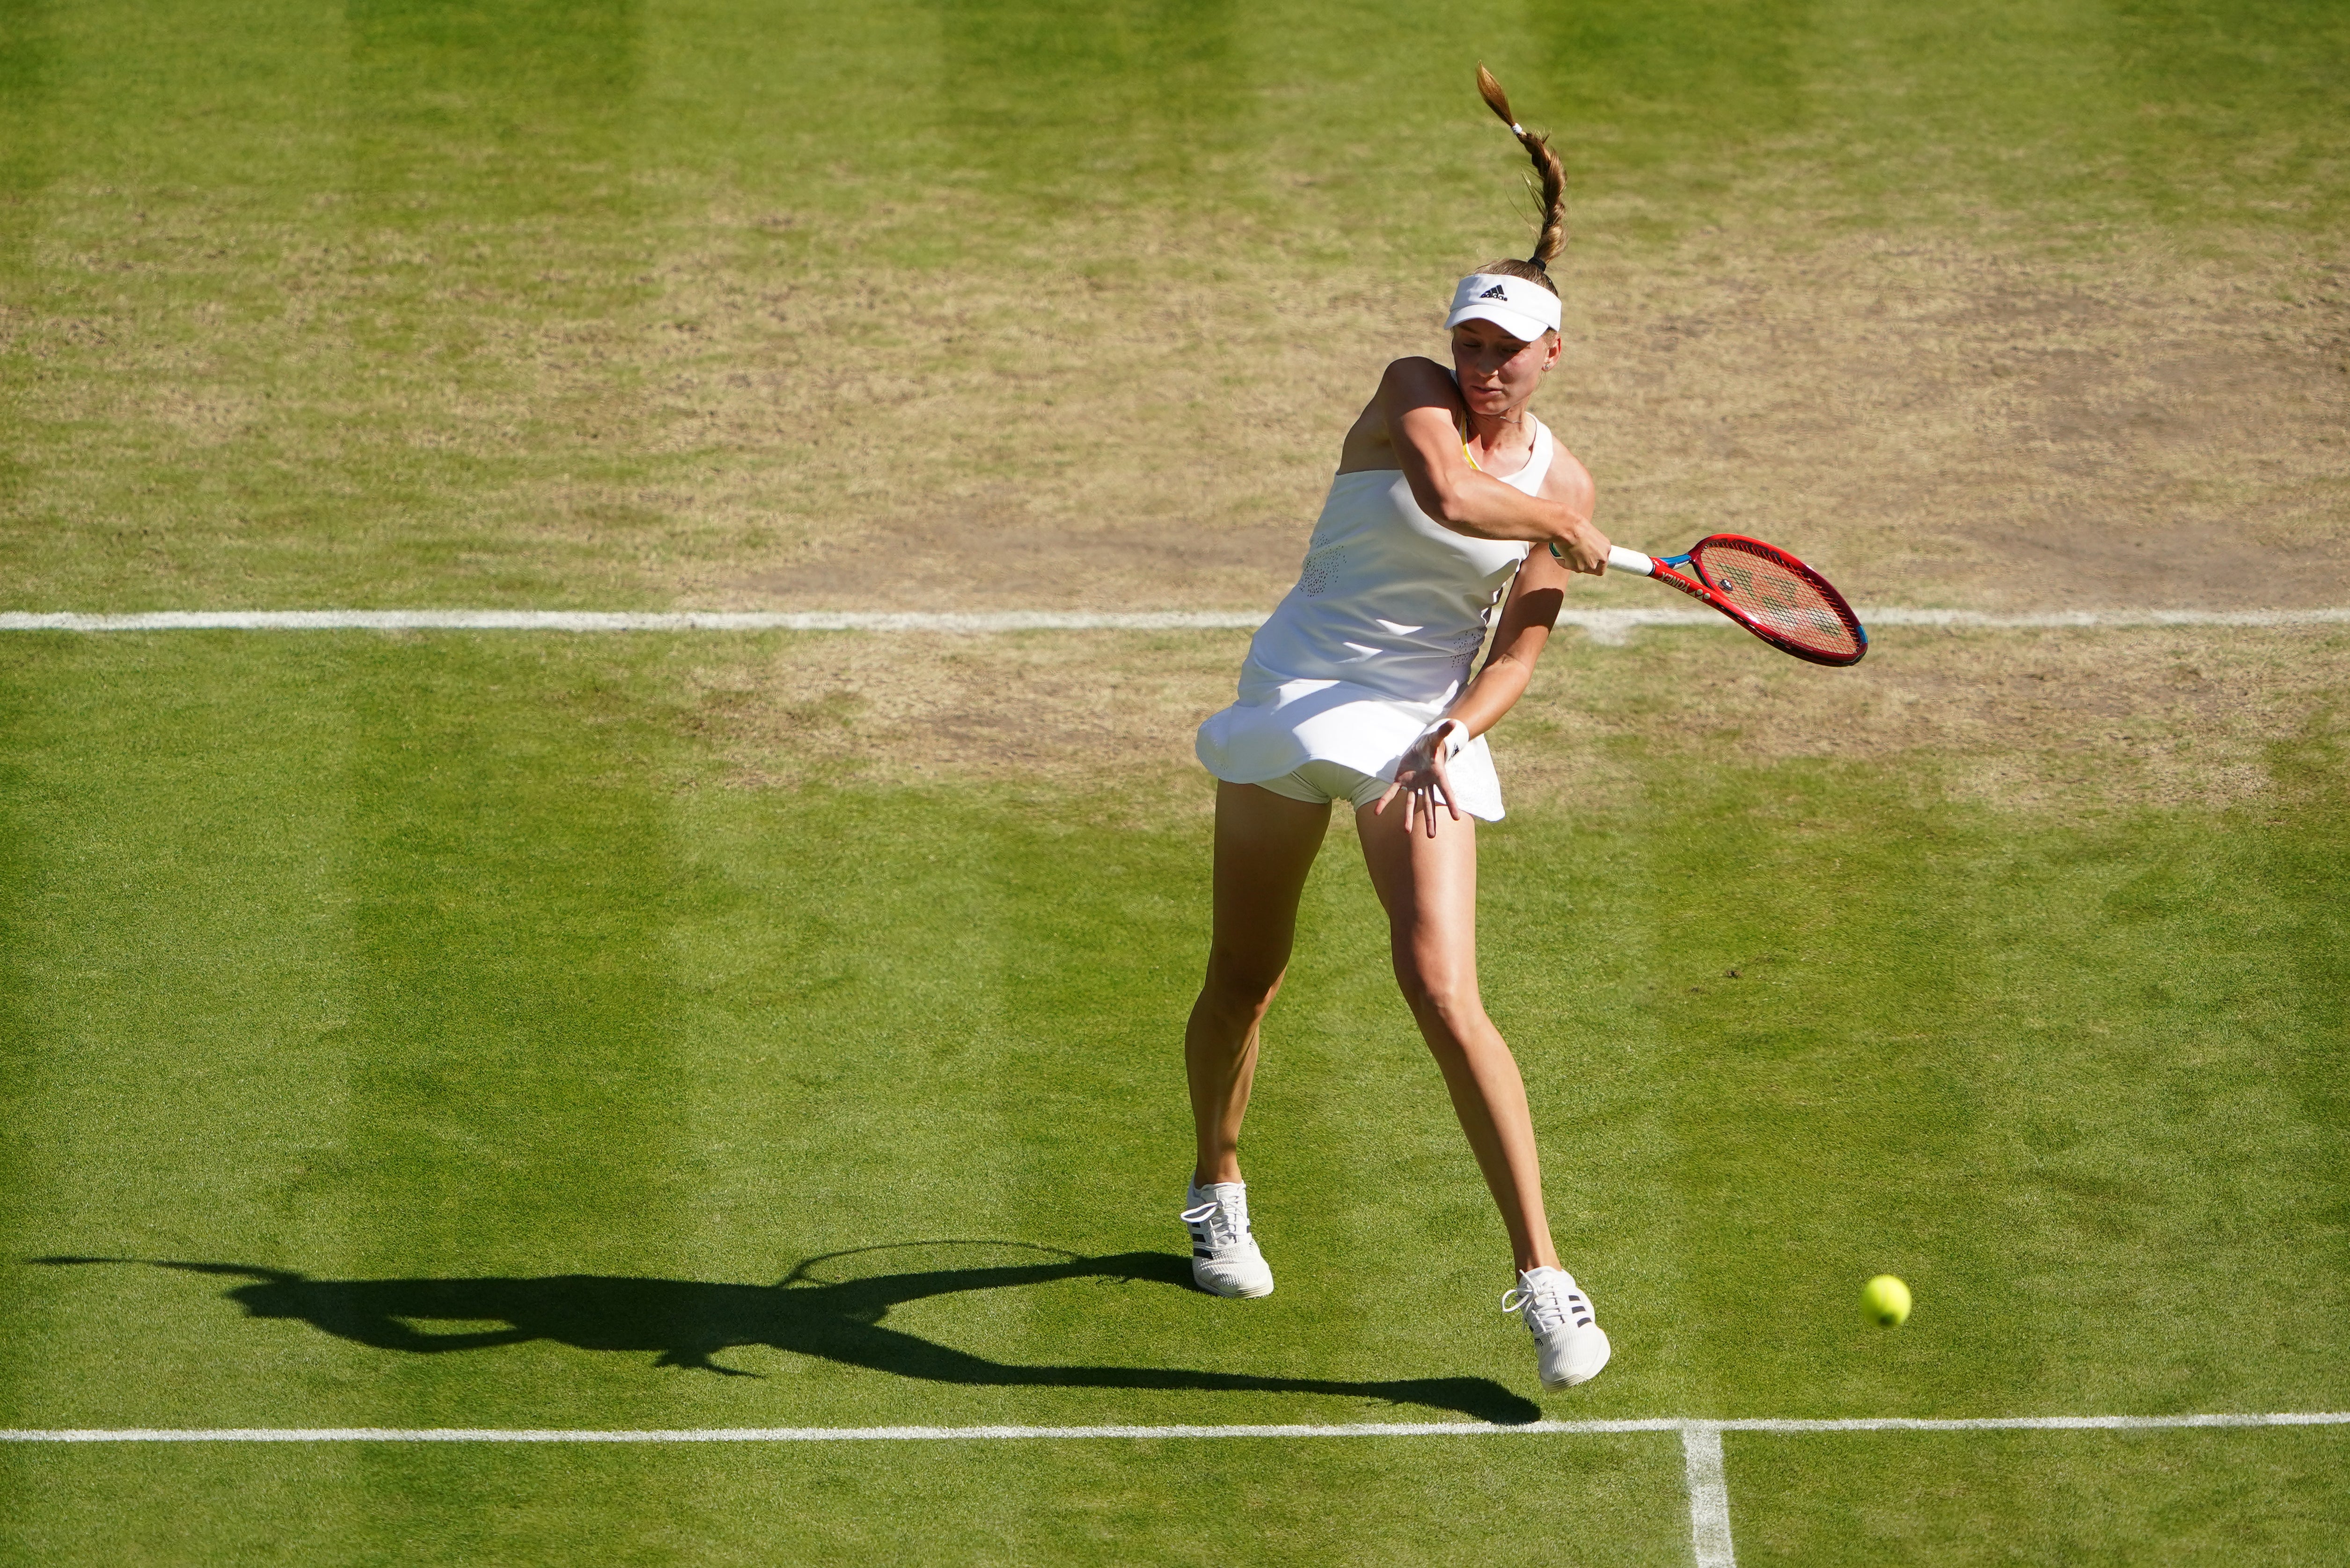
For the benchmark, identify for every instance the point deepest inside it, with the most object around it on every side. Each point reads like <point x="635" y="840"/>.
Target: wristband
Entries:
<point x="1457" y="741"/>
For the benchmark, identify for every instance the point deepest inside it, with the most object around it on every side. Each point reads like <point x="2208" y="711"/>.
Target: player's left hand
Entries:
<point x="1421" y="778"/>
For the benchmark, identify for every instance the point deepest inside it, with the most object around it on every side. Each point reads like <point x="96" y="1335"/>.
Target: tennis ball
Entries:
<point x="1886" y="1300"/>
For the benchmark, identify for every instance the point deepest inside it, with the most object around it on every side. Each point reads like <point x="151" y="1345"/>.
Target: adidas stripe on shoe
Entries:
<point x="1570" y="1347"/>
<point x="1224" y="1257"/>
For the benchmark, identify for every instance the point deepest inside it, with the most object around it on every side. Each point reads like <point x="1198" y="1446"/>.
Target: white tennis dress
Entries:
<point x="1374" y="642"/>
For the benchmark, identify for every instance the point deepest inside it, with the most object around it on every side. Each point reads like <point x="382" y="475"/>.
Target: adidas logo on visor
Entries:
<point x="1496" y="292"/>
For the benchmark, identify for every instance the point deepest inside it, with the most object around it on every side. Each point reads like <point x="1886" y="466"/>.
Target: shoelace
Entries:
<point x="1224" y="1227"/>
<point x="1546" y="1306"/>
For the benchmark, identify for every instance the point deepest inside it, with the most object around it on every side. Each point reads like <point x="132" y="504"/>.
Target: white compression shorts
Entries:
<point x="1319" y="783"/>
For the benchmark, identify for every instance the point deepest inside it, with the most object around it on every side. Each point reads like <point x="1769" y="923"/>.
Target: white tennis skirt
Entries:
<point x="1304" y="722"/>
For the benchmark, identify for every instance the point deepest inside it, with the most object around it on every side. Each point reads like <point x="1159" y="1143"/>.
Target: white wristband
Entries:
<point x="1457" y="741"/>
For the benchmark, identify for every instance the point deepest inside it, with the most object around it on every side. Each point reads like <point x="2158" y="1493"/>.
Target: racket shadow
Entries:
<point x="688" y="1324"/>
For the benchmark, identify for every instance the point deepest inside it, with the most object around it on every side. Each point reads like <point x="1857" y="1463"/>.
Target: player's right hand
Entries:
<point x="1581" y="548"/>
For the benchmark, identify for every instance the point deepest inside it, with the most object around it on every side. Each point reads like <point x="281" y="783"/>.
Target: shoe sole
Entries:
<point x="1229" y="1295"/>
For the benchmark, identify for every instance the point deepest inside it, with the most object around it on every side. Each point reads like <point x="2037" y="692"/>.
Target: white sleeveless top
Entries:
<point x="1377" y="639"/>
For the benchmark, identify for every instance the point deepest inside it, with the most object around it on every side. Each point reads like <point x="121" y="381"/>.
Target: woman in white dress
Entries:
<point x="1358" y="689"/>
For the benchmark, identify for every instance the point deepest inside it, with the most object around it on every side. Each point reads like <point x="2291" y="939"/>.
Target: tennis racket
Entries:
<point x="1763" y="589"/>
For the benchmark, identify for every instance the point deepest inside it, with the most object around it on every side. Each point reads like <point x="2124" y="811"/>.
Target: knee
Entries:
<point x="1237" y="987"/>
<point x="1443" y="997"/>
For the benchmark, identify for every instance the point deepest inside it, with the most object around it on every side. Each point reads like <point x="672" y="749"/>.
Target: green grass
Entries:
<point x="2065" y="117"/>
<point x="453" y="960"/>
<point x="1610" y="1501"/>
<point x="442" y="984"/>
<point x="2085" y="1498"/>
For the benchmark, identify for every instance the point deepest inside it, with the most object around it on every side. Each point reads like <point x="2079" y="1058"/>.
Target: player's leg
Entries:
<point x="1266" y="845"/>
<point x="1428" y="888"/>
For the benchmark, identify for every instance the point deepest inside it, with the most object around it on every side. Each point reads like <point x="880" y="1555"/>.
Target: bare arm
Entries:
<point x="1536" y="597"/>
<point x="1423" y="413"/>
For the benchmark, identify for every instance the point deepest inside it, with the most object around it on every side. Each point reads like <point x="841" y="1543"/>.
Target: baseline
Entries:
<point x="1603" y="626"/>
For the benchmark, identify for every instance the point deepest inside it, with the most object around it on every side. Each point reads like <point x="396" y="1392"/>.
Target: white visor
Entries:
<point x="1524" y="310"/>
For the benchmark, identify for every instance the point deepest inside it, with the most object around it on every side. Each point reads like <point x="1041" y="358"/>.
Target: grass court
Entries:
<point x="714" y="1031"/>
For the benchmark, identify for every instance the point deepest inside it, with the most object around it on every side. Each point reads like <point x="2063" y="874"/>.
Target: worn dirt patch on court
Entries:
<point x="1933" y="420"/>
<point x="1134" y="410"/>
<point x="2044" y="722"/>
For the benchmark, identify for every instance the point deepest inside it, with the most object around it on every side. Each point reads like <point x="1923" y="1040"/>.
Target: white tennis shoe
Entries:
<point x="1569" y="1343"/>
<point x="1224" y="1257"/>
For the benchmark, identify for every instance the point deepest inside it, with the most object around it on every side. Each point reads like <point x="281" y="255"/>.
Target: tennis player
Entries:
<point x="1359" y="689"/>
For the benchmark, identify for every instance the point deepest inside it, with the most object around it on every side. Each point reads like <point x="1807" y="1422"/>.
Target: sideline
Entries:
<point x="1609" y="627"/>
<point x="1710" y="1542"/>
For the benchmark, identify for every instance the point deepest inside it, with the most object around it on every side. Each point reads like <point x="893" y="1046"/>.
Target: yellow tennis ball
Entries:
<point x="1886" y="1300"/>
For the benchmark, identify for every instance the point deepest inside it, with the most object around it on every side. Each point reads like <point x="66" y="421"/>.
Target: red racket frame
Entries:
<point x="1703" y="590"/>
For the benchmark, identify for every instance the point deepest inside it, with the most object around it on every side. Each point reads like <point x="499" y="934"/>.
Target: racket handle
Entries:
<point x="1619" y="559"/>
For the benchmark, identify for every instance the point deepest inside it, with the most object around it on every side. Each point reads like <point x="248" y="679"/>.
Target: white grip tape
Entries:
<point x="1619" y="559"/>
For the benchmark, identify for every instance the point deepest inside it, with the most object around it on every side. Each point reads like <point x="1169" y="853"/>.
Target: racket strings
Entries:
<point x="1781" y="596"/>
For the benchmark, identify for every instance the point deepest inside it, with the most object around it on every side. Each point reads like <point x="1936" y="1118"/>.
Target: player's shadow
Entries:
<point x="688" y="1323"/>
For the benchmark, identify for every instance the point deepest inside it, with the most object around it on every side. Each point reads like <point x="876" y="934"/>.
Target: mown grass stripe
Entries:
<point x="1293" y="1430"/>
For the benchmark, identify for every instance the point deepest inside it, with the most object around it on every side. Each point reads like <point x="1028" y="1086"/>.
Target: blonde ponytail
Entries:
<point x="1547" y="169"/>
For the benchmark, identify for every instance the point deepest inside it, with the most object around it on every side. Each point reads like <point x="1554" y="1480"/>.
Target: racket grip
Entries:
<point x="1619" y="559"/>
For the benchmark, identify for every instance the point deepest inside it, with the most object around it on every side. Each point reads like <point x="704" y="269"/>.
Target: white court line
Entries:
<point x="1605" y="626"/>
<point x="637" y="620"/>
<point x="1708" y="1497"/>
